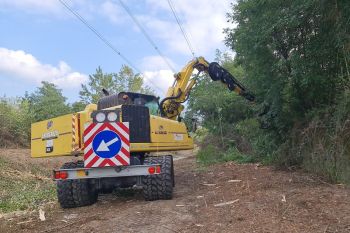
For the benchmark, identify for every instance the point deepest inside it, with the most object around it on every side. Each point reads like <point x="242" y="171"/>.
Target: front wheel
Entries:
<point x="156" y="187"/>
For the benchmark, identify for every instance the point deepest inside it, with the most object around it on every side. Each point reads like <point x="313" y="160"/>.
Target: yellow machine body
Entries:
<point x="52" y="133"/>
<point x="64" y="135"/>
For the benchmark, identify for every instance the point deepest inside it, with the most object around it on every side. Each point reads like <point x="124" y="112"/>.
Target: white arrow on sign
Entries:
<point x="104" y="146"/>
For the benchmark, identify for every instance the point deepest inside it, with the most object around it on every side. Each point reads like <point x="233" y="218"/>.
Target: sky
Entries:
<point x="43" y="41"/>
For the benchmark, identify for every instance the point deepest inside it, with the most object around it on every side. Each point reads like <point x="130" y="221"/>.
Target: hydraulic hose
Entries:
<point x="165" y="99"/>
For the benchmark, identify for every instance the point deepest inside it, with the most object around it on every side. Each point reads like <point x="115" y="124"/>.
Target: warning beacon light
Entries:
<point x="105" y="116"/>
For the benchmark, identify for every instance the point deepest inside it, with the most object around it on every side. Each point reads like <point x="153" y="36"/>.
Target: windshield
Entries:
<point x="153" y="107"/>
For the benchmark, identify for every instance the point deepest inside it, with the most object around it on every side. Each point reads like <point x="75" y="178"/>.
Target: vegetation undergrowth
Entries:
<point x="24" y="187"/>
<point x="210" y="154"/>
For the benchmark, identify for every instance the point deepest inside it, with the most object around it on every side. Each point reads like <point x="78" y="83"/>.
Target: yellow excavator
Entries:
<point x="113" y="140"/>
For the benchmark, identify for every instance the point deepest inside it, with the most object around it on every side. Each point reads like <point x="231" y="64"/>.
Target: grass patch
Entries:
<point x="201" y="169"/>
<point x="23" y="187"/>
<point x="210" y="155"/>
<point x="234" y="155"/>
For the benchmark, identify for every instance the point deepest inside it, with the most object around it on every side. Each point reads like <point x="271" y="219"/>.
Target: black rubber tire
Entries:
<point x="159" y="187"/>
<point x="75" y="193"/>
<point x="172" y="170"/>
<point x="65" y="190"/>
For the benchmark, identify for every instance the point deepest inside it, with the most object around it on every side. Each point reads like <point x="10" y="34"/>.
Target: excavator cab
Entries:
<point x="130" y="98"/>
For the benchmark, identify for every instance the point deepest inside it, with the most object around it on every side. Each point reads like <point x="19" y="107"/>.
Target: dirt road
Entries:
<point x="221" y="198"/>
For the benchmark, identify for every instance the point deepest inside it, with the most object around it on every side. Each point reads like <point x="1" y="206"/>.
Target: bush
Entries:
<point x="211" y="154"/>
<point x="208" y="155"/>
<point x="323" y="146"/>
<point x="17" y="114"/>
<point x="233" y="154"/>
<point x="15" y="123"/>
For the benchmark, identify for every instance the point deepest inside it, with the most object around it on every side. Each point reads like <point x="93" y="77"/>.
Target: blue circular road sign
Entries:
<point x="106" y="144"/>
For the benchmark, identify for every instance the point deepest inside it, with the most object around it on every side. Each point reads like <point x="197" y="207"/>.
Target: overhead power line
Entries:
<point x="181" y="28"/>
<point x="98" y="34"/>
<point x="146" y="34"/>
<point x="104" y="40"/>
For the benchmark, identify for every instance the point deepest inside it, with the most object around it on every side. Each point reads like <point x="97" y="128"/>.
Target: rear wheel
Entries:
<point x="160" y="186"/>
<point x="75" y="193"/>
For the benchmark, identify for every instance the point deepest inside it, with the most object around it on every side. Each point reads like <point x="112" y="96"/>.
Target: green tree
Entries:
<point x="92" y="91"/>
<point x="124" y="80"/>
<point x="46" y="102"/>
<point x="15" y="121"/>
<point x="78" y="106"/>
<point x="295" y="55"/>
<point x="296" y="59"/>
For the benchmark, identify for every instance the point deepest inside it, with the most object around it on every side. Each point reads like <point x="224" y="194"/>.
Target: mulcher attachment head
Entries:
<point x="217" y="72"/>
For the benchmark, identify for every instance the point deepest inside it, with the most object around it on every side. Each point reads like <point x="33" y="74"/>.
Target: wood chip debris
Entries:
<point x="234" y="181"/>
<point x="226" y="203"/>
<point x="42" y="215"/>
<point x="208" y="184"/>
<point x="28" y="221"/>
<point x="70" y="216"/>
<point x="180" y="205"/>
<point x="284" y="198"/>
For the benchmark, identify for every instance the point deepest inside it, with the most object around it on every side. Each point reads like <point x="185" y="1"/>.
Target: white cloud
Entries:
<point x="156" y="63"/>
<point x="20" y="65"/>
<point x="51" y="8"/>
<point x="203" y="20"/>
<point x="157" y="74"/>
<point x="33" y="6"/>
<point x="113" y="12"/>
<point x="87" y="8"/>
<point x="162" y="79"/>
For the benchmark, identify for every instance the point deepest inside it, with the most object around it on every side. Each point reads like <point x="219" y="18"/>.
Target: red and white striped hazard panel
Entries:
<point x="106" y="144"/>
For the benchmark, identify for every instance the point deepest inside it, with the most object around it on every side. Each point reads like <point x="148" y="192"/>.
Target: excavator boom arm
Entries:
<point x="171" y="106"/>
